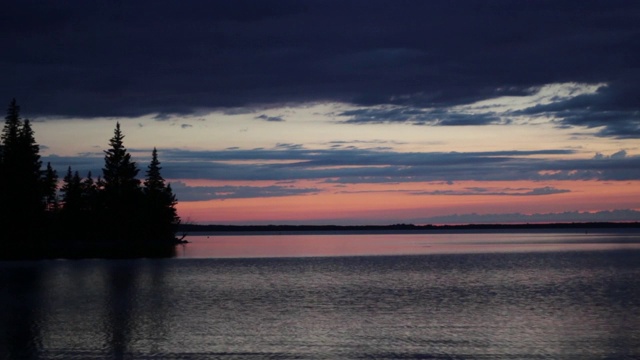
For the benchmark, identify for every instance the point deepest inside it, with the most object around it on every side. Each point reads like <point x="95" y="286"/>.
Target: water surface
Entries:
<point x="495" y="302"/>
<point x="358" y="244"/>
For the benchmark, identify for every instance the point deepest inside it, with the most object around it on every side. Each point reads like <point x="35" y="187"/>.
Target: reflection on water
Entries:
<point x="20" y="313"/>
<point x="475" y="305"/>
<point x="250" y="246"/>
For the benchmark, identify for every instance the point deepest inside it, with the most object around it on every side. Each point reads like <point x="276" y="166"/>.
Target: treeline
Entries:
<point x="114" y="210"/>
<point x="575" y="226"/>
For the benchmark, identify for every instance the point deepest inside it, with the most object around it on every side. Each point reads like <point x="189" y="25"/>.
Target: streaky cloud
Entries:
<point x="351" y="166"/>
<point x="204" y="193"/>
<point x="416" y="116"/>
<point x="619" y="215"/>
<point x="270" y="118"/>
<point x="546" y="190"/>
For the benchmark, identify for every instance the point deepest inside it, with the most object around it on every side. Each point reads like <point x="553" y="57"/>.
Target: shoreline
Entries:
<point x="44" y="250"/>
<point x="406" y="228"/>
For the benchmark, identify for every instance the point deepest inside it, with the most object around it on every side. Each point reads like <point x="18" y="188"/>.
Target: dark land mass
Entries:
<point x="579" y="226"/>
<point x="116" y="215"/>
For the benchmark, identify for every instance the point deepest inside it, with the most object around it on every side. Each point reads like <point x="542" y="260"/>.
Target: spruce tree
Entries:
<point x="11" y="129"/>
<point x="119" y="172"/>
<point x="89" y="194"/>
<point x="71" y="216"/>
<point x="21" y="190"/>
<point x="29" y="170"/>
<point x="170" y="211"/>
<point x="122" y="194"/>
<point x="71" y="193"/>
<point x="9" y="156"/>
<point x="8" y="141"/>
<point x="154" y="182"/>
<point x="161" y="215"/>
<point x="50" y="187"/>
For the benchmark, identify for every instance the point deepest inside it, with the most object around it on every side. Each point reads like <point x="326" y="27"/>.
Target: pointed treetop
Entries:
<point x="13" y="111"/>
<point x="119" y="170"/>
<point x="154" y="181"/>
<point x="12" y="125"/>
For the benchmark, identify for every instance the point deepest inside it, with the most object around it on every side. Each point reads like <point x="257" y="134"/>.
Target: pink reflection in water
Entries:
<point x="307" y="245"/>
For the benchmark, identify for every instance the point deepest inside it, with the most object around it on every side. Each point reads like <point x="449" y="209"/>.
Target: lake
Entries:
<point x="335" y="296"/>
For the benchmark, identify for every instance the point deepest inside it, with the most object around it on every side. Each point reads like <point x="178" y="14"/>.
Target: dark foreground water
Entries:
<point x="581" y="302"/>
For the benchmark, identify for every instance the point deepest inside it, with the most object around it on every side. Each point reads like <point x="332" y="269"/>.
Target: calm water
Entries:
<point x="481" y="296"/>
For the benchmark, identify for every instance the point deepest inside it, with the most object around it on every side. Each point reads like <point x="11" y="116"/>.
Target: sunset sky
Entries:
<point x="343" y="112"/>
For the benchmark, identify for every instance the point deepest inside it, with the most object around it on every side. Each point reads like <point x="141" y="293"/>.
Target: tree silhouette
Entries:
<point x="119" y="172"/>
<point x="113" y="213"/>
<point x="71" y="193"/>
<point x="71" y="217"/>
<point x="9" y="178"/>
<point x="11" y="129"/>
<point x="22" y="189"/>
<point x="29" y="171"/>
<point x="122" y="193"/>
<point x="154" y="182"/>
<point x="90" y="191"/>
<point x="161" y="215"/>
<point x="50" y="185"/>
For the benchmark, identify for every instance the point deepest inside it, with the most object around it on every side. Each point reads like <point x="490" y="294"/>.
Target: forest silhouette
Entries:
<point x="114" y="215"/>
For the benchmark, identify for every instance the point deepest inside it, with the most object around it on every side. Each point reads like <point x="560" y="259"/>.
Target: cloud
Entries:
<point x="269" y="118"/>
<point x="546" y="190"/>
<point x="416" y="116"/>
<point x="569" y="216"/>
<point x="288" y="161"/>
<point x="617" y="155"/>
<point x="99" y="59"/>
<point x="607" y="110"/>
<point x="203" y="193"/>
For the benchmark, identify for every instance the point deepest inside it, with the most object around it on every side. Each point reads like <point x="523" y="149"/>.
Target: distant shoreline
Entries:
<point x="292" y="229"/>
<point x="129" y="250"/>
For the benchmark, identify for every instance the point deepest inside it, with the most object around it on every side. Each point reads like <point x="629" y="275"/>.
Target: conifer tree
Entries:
<point x="89" y="193"/>
<point x="9" y="152"/>
<point x="154" y="182"/>
<point x="50" y="187"/>
<point x="29" y="172"/>
<point x="161" y="214"/>
<point x="171" y="213"/>
<point x="71" y="192"/>
<point x="21" y="190"/>
<point x="71" y="214"/>
<point x="122" y="194"/>
<point x="11" y="129"/>
<point x="9" y="194"/>
<point x="119" y="172"/>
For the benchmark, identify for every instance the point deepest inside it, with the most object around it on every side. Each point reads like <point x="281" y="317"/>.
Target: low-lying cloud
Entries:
<point x="620" y="215"/>
<point x="204" y="193"/>
<point x="293" y="162"/>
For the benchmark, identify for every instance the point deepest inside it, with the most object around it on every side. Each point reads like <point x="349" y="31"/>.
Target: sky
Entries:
<point x="343" y="112"/>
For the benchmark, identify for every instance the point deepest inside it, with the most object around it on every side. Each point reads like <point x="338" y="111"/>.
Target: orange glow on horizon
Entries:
<point x="369" y="203"/>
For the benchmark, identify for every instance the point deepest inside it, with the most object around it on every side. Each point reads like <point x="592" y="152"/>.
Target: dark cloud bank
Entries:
<point x="346" y="165"/>
<point x="131" y="58"/>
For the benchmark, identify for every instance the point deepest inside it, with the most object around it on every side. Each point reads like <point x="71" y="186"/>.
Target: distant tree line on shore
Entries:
<point x="115" y="209"/>
<point x="574" y="226"/>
